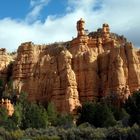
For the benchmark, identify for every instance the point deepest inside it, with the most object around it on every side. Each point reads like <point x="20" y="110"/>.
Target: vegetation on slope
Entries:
<point x="94" y="120"/>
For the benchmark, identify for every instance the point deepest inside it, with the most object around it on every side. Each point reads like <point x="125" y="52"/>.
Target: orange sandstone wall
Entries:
<point x="5" y="60"/>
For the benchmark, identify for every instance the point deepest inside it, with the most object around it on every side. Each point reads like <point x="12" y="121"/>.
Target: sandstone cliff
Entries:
<point x="89" y="67"/>
<point x="5" y="64"/>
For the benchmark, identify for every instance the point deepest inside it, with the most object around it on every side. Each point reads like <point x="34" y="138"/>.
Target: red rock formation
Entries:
<point x="46" y="75"/>
<point x="8" y="106"/>
<point x="89" y="67"/>
<point x="5" y="60"/>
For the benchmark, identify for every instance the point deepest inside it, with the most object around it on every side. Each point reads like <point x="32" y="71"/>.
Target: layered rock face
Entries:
<point x="89" y="67"/>
<point x="46" y="74"/>
<point x="5" y="61"/>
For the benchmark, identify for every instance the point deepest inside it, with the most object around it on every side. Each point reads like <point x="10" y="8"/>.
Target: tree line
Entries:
<point x="94" y="120"/>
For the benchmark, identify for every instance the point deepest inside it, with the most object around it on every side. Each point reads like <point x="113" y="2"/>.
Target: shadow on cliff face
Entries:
<point x="5" y="77"/>
<point x="9" y="71"/>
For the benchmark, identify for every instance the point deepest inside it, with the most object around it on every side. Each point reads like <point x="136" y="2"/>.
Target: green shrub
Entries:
<point x="35" y="116"/>
<point x="123" y="133"/>
<point x="47" y="138"/>
<point x="5" y="135"/>
<point x="132" y="107"/>
<point x="52" y="114"/>
<point x="85" y="125"/>
<point x="64" y="120"/>
<point x="97" y="114"/>
<point x="17" y="134"/>
<point x="3" y="116"/>
<point x="134" y="133"/>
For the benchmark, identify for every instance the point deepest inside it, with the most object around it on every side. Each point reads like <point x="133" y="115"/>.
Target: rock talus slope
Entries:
<point x="91" y="66"/>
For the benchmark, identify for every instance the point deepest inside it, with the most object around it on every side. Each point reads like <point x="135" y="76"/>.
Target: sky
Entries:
<point x="48" y="21"/>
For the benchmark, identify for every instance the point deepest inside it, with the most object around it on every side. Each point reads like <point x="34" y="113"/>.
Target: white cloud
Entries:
<point x="122" y="17"/>
<point x="37" y="6"/>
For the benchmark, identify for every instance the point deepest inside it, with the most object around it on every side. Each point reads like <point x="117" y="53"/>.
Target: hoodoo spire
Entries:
<point x="80" y="27"/>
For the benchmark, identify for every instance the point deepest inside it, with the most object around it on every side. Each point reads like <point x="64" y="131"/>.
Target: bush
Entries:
<point x="126" y="133"/>
<point x="3" y="116"/>
<point x="17" y="116"/>
<point x="47" y="138"/>
<point x="96" y="114"/>
<point x="64" y="120"/>
<point x="134" y="133"/>
<point x="132" y="107"/>
<point x="5" y="135"/>
<point x="35" y="116"/>
<point x="17" y="134"/>
<point x="52" y="114"/>
<point x="74" y="133"/>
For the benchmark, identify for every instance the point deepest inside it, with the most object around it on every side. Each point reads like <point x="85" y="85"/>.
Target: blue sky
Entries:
<point x="47" y="21"/>
<point x="18" y="9"/>
<point x="14" y="8"/>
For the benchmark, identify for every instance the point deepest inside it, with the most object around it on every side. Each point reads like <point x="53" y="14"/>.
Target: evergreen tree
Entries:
<point x="3" y="116"/>
<point x="52" y="113"/>
<point x="132" y="107"/>
<point x="64" y="120"/>
<point x="96" y="114"/>
<point x="16" y="118"/>
<point x="35" y="116"/>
